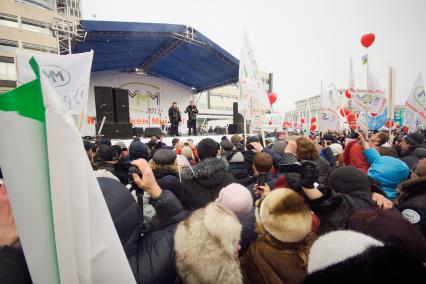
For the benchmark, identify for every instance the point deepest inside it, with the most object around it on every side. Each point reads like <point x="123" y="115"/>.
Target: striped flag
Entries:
<point x="62" y="219"/>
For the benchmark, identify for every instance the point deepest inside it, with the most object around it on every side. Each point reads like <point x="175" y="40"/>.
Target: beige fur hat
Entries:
<point x="205" y="246"/>
<point x="284" y="215"/>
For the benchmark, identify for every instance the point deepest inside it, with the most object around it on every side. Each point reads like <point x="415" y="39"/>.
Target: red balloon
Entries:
<point x="302" y="120"/>
<point x="270" y="122"/>
<point x="367" y="40"/>
<point x="389" y="123"/>
<point x="313" y="119"/>
<point x="350" y="117"/>
<point x="344" y="112"/>
<point x="313" y="127"/>
<point x="272" y="98"/>
<point x="348" y="94"/>
<point x="373" y="114"/>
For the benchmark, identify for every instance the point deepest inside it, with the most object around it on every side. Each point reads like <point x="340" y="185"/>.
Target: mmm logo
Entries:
<point x="57" y="76"/>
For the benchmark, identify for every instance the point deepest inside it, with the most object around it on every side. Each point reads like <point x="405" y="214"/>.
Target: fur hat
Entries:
<point x="164" y="157"/>
<point x="236" y="198"/>
<point x="205" y="245"/>
<point x="349" y="179"/>
<point x="284" y="215"/>
<point x="414" y="139"/>
<point x="351" y="257"/>
<point x="207" y="148"/>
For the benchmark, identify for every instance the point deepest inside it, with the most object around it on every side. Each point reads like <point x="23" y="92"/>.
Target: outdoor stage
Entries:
<point x="168" y="140"/>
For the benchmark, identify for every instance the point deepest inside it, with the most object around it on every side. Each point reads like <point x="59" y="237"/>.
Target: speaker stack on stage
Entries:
<point x="113" y="104"/>
<point x="237" y="127"/>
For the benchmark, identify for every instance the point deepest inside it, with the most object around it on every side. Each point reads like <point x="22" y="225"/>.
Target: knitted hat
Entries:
<point x="414" y="139"/>
<point x="336" y="148"/>
<point x="351" y="257"/>
<point x="187" y="152"/>
<point x="107" y="153"/>
<point x="164" y="156"/>
<point x="207" y="148"/>
<point x="226" y="145"/>
<point x="105" y="141"/>
<point x="348" y="179"/>
<point x="279" y="147"/>
<point x="137" y="150"/>
<point x="285" y="215"/>
<point x="236" y="198"/>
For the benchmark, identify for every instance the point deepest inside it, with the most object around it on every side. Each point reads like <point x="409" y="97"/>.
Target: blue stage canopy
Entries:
<point x="176" y="52"/>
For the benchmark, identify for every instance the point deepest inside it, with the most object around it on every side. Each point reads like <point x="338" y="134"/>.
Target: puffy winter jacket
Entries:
<point x="387" y="170"/>
<point x="353" y="156"/>
<point x="237" y="168"/>
<point x="168" y="180"/>
<point x="413" y="156"/>
<point x="412" y="202"/>
<point x="203" y="181"/>
<point x="151" y="256"/>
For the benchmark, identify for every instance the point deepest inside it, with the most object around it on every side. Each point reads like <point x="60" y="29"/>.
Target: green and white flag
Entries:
<point x="64" y="225"/>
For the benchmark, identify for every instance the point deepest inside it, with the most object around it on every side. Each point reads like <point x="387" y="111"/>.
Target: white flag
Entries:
<point x="377" y="100"/>
<point x="358" y="98"/>
<point x="415" y="105"/>
<point x="329" y="117"/>
<point x="252" y="91"/>
<point x="65" y="228"/>
<point x="69" y="75"/>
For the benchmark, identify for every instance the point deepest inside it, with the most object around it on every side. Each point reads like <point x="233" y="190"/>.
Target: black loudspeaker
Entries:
<point x="121" y="105"/>
<point x="152" y="131"/>
<point x="137" y="131"/>
<point x="236" y="116"/>
<point x="116" y="130"/>
<point x="236" y="128"/>
<point x="104" y="100"/>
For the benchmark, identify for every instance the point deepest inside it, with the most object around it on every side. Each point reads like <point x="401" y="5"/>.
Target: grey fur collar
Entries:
<point x="204" y="168"/>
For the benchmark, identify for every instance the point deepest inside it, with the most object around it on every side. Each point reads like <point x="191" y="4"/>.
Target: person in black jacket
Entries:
<point x="150" y="256"/>
<point x="411" y="200"/>
<point x="175" y="119"/>
<point x="349" y="191"/>
<point x="412" y="148"/>
<point x="203" y="181"/>
<point x="192" y="111"/>
<point x="237" y="167"/>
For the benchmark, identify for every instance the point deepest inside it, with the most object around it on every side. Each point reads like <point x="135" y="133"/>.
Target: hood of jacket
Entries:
<point x="411" y="187"/>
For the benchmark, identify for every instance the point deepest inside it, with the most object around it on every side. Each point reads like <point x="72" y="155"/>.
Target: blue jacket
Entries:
<point x="387" y="170"/>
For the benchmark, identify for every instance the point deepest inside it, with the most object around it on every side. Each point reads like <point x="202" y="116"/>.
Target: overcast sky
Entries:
<point x="301" y="41"/>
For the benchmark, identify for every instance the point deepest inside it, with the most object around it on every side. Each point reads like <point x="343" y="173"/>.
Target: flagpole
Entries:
<point x="368" y="96"/>
<point x="390" y="95"/>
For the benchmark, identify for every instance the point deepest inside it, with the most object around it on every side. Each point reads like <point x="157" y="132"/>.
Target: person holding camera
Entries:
<point x="349" y="190"/>
<point x="150" y="255"/>
<point x="262" y="167"/>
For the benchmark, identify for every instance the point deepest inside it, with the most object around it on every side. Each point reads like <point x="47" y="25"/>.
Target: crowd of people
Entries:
<point x="346" y="208"/>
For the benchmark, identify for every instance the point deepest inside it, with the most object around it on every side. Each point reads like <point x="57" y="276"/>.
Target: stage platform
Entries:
<point x="168" y="140"/>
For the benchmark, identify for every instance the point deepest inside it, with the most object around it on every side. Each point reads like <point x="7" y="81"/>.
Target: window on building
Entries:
<point x="37" y="47"/>
<point x="7" y="68"/>
<point x="8" y="20"/>
<point x="36" y="26"/>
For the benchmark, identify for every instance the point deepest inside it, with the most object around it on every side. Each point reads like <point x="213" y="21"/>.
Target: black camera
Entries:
<point x="261" y="181"/>
<point x="306" y="169"/>
<point x="290" y="168"/>
<point x="354" y="135"/>
<point x="133" y="170"/>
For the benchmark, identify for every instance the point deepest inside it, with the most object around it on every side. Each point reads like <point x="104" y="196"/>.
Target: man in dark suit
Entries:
<point x="192" y="117"/>
<point x="175" y="119"/>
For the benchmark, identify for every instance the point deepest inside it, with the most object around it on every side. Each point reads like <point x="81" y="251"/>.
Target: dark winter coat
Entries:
<point x="248" y="160"/>
<point x="248" y="232"/>
<point x="333" y="209"/>
<point x="412" y="202"/>
<point x="174" y="115"/>
<point x="327" y="154"/>
<point x="203" y="182"/>
<point x="238" y="169"/>
<point x="413" y="156"/>
<point x="192" y="112"/>
<point x="167" y="180"/>
<point x="151" y="256"/>
<point x="270" y="181"/>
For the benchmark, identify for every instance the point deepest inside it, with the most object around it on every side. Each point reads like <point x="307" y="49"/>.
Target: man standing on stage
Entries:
<point x="192" y="117"/>
<point x="175" y="119"/>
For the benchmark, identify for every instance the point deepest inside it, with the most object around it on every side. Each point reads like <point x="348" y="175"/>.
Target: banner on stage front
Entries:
<point x="69" y="75"/>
